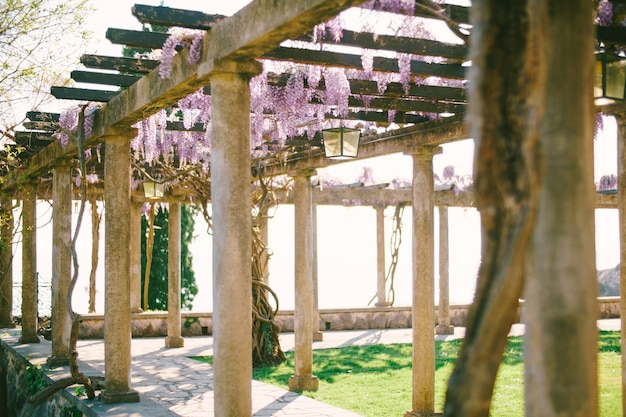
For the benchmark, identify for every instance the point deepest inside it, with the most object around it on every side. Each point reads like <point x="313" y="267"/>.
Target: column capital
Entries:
<point x="308" y="172"/>
<point x="247" y="67"/>
<point x="425" y="151"/>
<point x="118" y="132"/>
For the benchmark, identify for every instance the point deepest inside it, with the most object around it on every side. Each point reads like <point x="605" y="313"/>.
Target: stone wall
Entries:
<point x="152" y="324"/>
<point x="14" y="387"/>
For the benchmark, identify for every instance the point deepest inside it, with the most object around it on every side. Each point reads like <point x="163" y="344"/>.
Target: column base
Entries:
<point x="174" y="342"/>
<point x="137" y="310"/>
<point x="443" y="329"/>
<point x="7" y="325"/>
<point x="119" y="397"/>
<point x="422" y="414"/>
<point x="318" y="336"/>
<point x="29" y="339"/>
<point x="303" y="383"/>
<point x="56" y="361"/>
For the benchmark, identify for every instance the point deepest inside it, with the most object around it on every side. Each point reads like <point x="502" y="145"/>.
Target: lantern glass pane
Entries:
<point x="351" y="142"/>
<point x="332" y="142"/>
<point x="153" y="190"/>
<point x="615" y="79"/>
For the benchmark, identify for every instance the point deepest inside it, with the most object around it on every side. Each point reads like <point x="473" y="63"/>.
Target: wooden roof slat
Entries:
<point x="407" y="105"/>
<point x="615" y="35"/>
<point x="33" y="140"/>
<point x="37" y="116"/>
<point x="335" y="59"/>
<point x="121" y="64"/>
<point x="104" y="78"/>
<point x="22" y="136"/>
<point x="84" y="94"/>
<point x="166" y="16"/>
<point x="45" y="126"/>
<point x="414" y="46"/>
<point x="136" y="38"/>
<point x="381" y="117"/>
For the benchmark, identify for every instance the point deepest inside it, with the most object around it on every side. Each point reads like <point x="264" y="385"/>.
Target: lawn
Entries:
<point x="375" y="381"/>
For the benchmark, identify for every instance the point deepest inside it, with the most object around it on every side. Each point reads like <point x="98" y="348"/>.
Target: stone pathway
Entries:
<point x="172" y="384"/>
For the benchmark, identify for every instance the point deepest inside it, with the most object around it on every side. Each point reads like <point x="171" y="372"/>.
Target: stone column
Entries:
<point x="381" y="291"/>
<point x="232" y="237"/>
<point x="30" y="320"/>
<point x="621" y="205"/>
<point x="303" y="379"/>
<point x="318" y="336"/>
<point x="423" y="398"/>
<point x="443" y="326"/>
<point x="134" y="249"/>
<point x="61" y="263"/>
<point x="117" y="329"/>
<point x="6" y="264"/>
<point x="173" y="339"/>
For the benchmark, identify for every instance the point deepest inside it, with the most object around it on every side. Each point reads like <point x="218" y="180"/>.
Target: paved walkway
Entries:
<point x="171" y="384"/>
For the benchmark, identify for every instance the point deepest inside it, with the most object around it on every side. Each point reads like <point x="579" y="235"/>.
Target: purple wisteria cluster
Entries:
<point x="68" y="120"/>
<point x="178" y="40"/>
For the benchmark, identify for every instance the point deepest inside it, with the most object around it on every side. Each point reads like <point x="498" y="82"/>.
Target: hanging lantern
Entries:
<point x="610" y="78"/>
<point x="153" y="190"/>
<point x="342" y="142"/>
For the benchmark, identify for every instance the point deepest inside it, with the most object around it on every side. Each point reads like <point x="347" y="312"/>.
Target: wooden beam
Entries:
<point x="23" y="136"/>
<point x="415" y="46"/>
<point x="166" y="16"/>
<point x="133" y="65"/>
<point x="83" y="94"/>
<point x="45" y="126"/>
<point x="37" y="116"/>
<point x="381" y="117"/>
<point x="104" y="78"/>
<point x="136" y="38"/>
<point x="613" y="35"/>
<point x="459" y="14"/>
<point x="342" y="60"/>
<point x="407" y="105"/>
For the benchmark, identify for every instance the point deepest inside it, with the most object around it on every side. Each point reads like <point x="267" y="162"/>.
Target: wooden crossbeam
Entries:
<point x="82" y="94"/>
<point x="413" y="46"/>
<point x="132" y="65"/>
<point x="104" y="78"/>
<point x="407" y="105"/>
<point x="45" y="126"/>
<point x="33" y="140"/>
<point x="165" y="16"/>
<point x="37" y="116"/>
<point x="614" y="35"/>
<point x="460" y="14"/>
<point x="370" y="88"/>
<point x="342" y="60"/>
<point x="136" y="38"/>
<point x="381" y="117"/>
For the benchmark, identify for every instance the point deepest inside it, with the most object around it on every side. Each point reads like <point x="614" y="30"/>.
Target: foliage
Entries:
<point x="35" y="378"/>
<point x="375" y="380"/>
<point x="71" y="411"/>
<point x="157" y="295"/>
<point x="36" y="49"/>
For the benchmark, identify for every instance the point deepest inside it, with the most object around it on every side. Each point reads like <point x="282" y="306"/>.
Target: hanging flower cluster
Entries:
<point x="607" y="183"/>
<point x="68" y="120"/>
<point x="178" y="40"/>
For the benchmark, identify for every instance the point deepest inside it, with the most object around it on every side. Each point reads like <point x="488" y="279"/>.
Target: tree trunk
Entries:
<point x="149" y="246"/>
<point x="560" y="350"/>
<point x="504" y="118"/>
<point x="95" y="247"/>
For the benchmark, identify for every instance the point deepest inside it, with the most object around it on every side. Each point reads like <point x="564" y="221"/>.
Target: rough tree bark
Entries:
<point x="560" y="345"/>
<point x="95" y="248"/>
<point x="504" y="116"/>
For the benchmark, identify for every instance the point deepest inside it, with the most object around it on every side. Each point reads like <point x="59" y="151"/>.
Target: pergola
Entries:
<point x="231" y="48"/>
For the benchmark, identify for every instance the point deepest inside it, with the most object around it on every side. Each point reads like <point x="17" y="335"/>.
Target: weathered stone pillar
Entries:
<point x="381" y="290"/>
<point x="30" y="320"/>
<point x="61" y="263"/>
<point x="621" y="204"/>
<point x="134" y="249"/>
<point x="303" y="379"/>
<point x="6" y="264"/>
<point x="117" y="329"/>
<point x="423" y="283"/>
<point x="173" y="339"/>
<point x="318" y="336"/>
<point x="443" y="326"/>
<point x="232" y="237"/>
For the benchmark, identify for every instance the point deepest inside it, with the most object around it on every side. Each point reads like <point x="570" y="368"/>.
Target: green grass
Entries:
<point x="376" y="380"/>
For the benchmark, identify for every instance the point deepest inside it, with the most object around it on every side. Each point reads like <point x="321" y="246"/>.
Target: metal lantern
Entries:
<point x="153" y="190"/>
<point x="342" y="142"/>
<point x="610" y="78"/>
